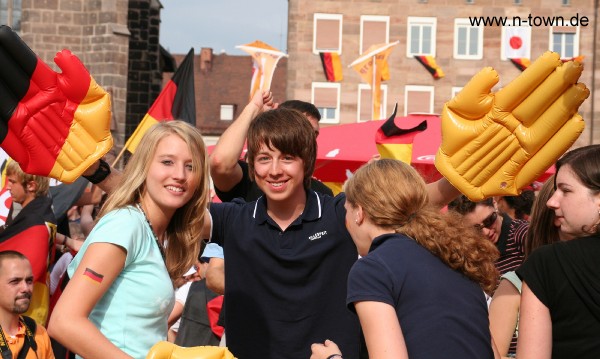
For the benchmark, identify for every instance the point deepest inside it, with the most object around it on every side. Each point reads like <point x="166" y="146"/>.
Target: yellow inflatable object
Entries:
<point x="497" y="143"/>
<point x="166" y="350"/>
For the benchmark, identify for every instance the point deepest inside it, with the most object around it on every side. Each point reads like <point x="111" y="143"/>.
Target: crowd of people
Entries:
<point x="392" y="267"/>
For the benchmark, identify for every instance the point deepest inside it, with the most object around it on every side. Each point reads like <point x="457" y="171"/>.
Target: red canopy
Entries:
<point x="347" y="147"/>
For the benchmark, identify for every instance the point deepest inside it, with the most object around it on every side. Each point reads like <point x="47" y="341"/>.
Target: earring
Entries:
<point x="356" y="221"/>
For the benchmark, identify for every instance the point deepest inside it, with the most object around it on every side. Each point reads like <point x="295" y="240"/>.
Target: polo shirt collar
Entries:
<point x="313" y="209"/>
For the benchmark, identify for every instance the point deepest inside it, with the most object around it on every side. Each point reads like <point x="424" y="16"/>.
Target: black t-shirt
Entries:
<point x="565" y="277"/>
<point x="249" y="191"/>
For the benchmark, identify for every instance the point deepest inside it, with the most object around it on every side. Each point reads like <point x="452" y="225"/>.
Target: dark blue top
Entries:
<point x="286" y="289"/>
<point x="442" y="313"/>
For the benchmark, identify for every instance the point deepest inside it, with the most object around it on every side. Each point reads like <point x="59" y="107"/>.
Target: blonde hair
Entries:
<point x="394" y="197"/>
<point x="184" y="230"/>
<point x="43" y="183"/>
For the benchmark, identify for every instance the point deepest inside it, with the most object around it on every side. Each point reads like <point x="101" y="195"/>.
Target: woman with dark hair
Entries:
<point x="419" y="288"/>
<point x="560" y="301"/>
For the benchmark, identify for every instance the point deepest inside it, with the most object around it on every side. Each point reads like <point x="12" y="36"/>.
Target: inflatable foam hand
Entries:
<point x="52" y="124"/>
<point x="166" y="350"/>
<point x="496" y="144"/>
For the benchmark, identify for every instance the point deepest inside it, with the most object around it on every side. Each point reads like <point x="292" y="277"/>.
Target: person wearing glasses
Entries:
<point x="507" y="234"/>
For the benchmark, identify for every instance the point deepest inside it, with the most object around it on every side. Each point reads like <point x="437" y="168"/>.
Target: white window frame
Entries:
<point x="464" y="23"/>
<point x="373" y="18"/>
<point x="454" y="91"/>
<point x="321" y="16"/>
<point x="421" y="21"/>
<point x="227" y="107"/>
<point x="338" y="87"/>
<point x="382" y="110"/>
<point x="418" y="88"/>
<point x="575" y="42"/>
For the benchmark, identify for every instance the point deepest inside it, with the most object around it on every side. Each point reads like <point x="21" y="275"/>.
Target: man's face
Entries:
<point x="280" y="176"/>
<point x="487" y="219"/>
<point x="17" y="191"/>
<point x="314" y="123"/>
<point x="16" y="285"/>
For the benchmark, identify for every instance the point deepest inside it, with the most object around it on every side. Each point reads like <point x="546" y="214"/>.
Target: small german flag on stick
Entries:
<point x="332" y="66"/>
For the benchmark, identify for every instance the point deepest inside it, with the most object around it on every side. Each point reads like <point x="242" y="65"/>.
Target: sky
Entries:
<point x="222" y="24"/>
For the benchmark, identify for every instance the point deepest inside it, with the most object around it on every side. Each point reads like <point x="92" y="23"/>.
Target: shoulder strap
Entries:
<point x="30" y="328"/>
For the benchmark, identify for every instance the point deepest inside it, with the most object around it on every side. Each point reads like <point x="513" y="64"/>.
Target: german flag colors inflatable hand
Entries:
<point x="52" y="124"/>
<point x="497" y="143"/>
<point x="166" y="350"/>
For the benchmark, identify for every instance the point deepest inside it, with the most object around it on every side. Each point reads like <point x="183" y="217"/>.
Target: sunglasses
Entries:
<point x="488" y="221"/>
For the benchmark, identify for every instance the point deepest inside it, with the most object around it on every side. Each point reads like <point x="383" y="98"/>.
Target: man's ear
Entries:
<point x="31" y="186"/>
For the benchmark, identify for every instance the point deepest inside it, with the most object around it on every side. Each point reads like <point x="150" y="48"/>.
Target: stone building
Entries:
<point x="439" y="28"/>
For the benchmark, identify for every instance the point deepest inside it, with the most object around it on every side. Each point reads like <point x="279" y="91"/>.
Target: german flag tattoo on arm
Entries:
<point x="94" y="276"/>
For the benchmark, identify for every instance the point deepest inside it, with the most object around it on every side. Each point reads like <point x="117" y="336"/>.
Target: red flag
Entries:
<point x="32" y="233"/>
<point x="332" y="66"/>
<point x="395" y="142"/>
<point x="429" y="63"/>
<point x="177" y="101"/>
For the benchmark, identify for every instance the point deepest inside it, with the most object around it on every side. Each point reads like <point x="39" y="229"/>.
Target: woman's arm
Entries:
<point x="504" y="313"/>
<point x="382" y="331"/>
<point x="535" y="327"/>
<point x="69" y="323"/>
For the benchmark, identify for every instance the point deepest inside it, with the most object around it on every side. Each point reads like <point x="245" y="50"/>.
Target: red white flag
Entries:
<point x="516" y="42"/>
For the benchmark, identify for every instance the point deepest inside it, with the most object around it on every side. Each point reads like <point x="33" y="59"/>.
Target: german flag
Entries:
<point x="332" y="66"/>
<point x="521" y="63"/>
<point x="429" y="63"/>
<point x="32" y="233"/>
<point x="52" y="124"/>
<point x="177" y="101"/>
<point x="395" y="142"/>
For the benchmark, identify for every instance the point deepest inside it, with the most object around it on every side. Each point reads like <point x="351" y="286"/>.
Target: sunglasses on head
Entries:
<point x="488" y="221"/>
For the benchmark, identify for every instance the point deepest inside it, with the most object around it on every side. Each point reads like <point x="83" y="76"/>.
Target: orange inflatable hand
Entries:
<point x="52" y="124"/>
<point x="166" y="350"/>
<point x="497" y="143"/>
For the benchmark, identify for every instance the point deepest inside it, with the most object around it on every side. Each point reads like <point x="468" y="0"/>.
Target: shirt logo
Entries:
<point x="317" y="235"/>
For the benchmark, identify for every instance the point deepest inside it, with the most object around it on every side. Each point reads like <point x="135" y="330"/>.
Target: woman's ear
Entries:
<point x="359" y="215"/>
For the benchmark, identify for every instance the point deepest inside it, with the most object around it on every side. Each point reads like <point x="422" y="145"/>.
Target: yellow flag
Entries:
<point x="264" y="62"/>
<point x="373" y="67"/>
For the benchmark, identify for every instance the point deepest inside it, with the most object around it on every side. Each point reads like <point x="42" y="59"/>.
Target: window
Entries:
<point x="365" y="105"/>
<point x="566" y="2"/>
<point x="468" y="40"/>
<point x="227" y="112"/>
<point x="455" y="91"/>
<point x="327" y="30"/>
<point x="517" y="2"/>
<point x="373" y="30"/>
<point x="421" y="36"/>
<point x="10" y="13"/>
<point x="565" y="41"/>
<point x="326" y="97"/>
<point x="418" y="99"/>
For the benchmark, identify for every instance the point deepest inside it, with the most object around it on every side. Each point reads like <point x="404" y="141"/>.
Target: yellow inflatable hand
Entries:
<point x="497" y="143"/>
<point x="166" y="350"/>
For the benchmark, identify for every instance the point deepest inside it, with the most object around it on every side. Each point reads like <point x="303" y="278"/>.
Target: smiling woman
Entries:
<point x="162" y="197"/>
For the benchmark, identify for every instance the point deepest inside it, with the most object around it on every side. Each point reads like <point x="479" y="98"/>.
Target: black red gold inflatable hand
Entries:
<point x="166" y="350"/>
<point x="496" y="144"/>
<point x="52" y="124"/>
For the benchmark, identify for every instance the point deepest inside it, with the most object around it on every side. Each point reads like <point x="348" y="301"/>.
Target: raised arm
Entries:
<point x="223" y="161"/>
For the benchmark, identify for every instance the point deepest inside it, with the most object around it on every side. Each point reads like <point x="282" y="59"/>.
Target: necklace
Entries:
<point x="160" y="247"/>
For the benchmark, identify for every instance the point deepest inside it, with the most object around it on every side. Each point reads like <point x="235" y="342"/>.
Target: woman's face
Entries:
<point x="575" y="206"/>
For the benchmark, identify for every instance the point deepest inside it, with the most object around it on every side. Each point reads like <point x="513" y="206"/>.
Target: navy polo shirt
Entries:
<point x="286" y="289"/>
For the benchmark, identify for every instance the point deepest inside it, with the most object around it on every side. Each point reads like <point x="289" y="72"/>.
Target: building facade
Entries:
<point x="446" y="30"/>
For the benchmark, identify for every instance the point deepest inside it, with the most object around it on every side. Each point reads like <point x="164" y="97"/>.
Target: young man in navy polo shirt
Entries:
<point x="288" y="253"/>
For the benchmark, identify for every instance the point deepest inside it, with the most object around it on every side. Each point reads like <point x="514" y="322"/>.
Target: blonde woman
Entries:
<point x="120" y="294"/>
<point x="419" y="288"/>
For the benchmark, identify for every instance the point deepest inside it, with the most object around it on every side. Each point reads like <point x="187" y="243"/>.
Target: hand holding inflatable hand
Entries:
<point x="166" y="350"/>
<point x="52" y="124"/>
<point x="496" y="144"/>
